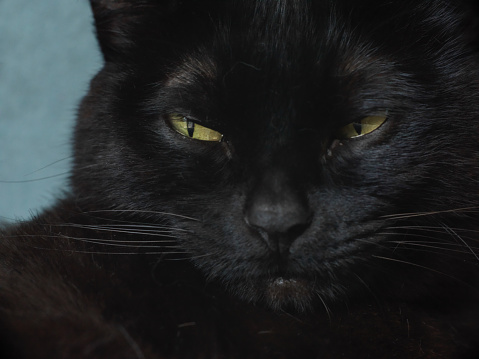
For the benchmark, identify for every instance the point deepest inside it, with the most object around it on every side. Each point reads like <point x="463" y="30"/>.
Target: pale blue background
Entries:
<point x="48" y="55"/>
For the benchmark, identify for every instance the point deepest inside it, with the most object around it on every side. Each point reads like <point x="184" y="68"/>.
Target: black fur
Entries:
<point x="280" y="241"/>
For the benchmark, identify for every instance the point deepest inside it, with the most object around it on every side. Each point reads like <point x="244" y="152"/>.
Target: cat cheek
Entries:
<point x="228" y="149"/>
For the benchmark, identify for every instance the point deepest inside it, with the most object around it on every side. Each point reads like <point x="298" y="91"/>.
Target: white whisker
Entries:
<point x="144" y="212"/>
<point x="422" y="214"/>
<point x="422" y="245"/>
<point x="99" y="240"/>
<point x="412" y="264"/>
<point x="457" y="236"/>
<point x="167" y="233"/>
<point x="105" y="253"/>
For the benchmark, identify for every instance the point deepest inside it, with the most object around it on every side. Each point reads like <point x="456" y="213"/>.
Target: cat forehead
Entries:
<point x="192" y="68"/>
<point x="266" y="32"/>
<point x="341" y="36"/>
<point x="257" y="57"/>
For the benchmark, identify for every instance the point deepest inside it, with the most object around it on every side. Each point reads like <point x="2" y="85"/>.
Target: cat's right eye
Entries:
<point x="188" y="128"/>
<point x="360" y="128"/>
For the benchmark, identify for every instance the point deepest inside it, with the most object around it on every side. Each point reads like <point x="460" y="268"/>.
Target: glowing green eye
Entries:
<point x="361" y="128"/>
<point x="190" y="129"/>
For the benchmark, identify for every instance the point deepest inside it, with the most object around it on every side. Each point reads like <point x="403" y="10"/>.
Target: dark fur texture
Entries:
<point x="278" y="242"/>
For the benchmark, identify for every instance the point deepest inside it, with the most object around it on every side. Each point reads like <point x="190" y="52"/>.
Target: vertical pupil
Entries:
<point x="358" y="128"/>
<point x="190" y="126"/>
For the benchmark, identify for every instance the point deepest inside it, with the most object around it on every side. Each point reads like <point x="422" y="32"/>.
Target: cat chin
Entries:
<point x="281" y="294"/>
<point x="284" y="294"/>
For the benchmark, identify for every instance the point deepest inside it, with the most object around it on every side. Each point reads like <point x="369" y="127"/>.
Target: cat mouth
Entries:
<point x="287" y="286"/>
<point x="282" y="285"/>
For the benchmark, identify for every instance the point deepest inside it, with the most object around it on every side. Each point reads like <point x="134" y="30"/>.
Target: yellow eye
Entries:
<point x="361" y="128"/>
<point x="190" y="129"/>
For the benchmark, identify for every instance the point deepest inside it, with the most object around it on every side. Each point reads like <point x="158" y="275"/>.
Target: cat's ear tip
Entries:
<point x="111" y="29"/>
<point x="118" y="4"/>
<point x="109" y="3"/>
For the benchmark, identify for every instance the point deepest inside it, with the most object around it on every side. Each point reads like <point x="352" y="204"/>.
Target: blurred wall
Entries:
<point x="48" y="54"/>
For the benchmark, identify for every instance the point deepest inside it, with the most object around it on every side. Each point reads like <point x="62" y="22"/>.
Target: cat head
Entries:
<point x="297" y="149"/>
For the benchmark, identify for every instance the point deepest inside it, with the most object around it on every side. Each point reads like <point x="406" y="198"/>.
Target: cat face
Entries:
<point x="296" y="149"/>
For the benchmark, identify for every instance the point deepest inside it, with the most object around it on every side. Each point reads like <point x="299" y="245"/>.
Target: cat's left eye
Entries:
<point x="188" y="128"/>
<point x="362" y="127"/>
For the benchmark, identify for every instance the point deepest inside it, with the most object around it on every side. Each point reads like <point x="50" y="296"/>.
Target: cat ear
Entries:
<point x="117" y="20"/>
<point x="113" y="22"/>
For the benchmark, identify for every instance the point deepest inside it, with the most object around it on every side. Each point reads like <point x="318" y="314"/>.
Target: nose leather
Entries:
<point x="278" y="211"/>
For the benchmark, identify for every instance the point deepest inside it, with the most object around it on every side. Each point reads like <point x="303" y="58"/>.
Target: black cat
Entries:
<point x="262" y="179"/>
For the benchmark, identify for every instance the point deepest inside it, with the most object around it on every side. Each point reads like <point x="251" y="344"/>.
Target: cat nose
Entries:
<point x="277" y="217"/>
<point x="280" y="215"/>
